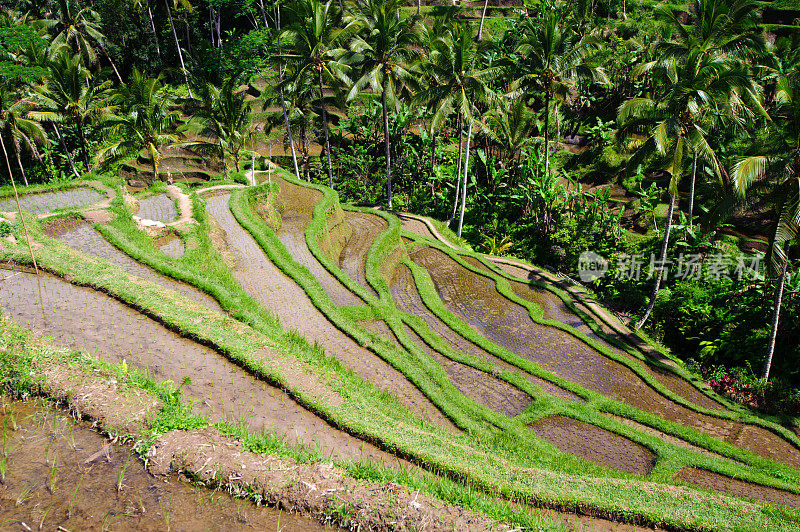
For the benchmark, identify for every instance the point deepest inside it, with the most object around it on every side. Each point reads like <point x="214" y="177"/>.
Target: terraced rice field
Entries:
<point x="403" y="350"/>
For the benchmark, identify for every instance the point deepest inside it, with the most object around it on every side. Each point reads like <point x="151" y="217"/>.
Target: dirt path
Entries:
<point x="474" y="299"/>
<point x="295" y="311"/>
<point x="84" y="238"/>
<point x="84" y="319"/>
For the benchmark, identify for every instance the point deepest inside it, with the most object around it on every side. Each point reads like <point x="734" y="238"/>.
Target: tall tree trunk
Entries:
<point x="419" y="7"/>
<point x="660" y="274"/>
<point x="458" y="167"/>
<point x="388" y="145"/>
<point x="116" y="72"/>
<point x="483" y="17"/>
<point x="21" y="169"/>
<point x="325" y="126"/>
<point x="691" y="190"/>
<point x="153" y="27"/>
<point x="341" y="7"/>
<point x="66" y="151"/>
<point x="464" y="177"/>
<point x="776" y="313"/>
<point x="84" y="147"/>
<point x="433" y="156"/>
<point x="178" y="47"/>
<point x="547" y="134"/>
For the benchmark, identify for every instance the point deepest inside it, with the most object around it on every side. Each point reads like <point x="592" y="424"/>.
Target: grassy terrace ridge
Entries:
<point x="25" y="357"/>
<point x="296" y="271"/>
<point x="472" y="458"/>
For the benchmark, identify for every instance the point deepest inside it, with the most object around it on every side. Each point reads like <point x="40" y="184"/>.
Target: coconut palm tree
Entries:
<point x="674" y="126"/>
<point x="383" y="50"/>
<point x="148" y="123"/>
<point x="454" y="85"/>
<point x="550" y="59"/>
<point x="724" y="30"/>
<point x="79" y="28"/>
<point x="776" y="175"/>
<point x="316" y="44"/>
<point x="227" y="117"/>
<point x="69" y="96"/>
<point x="20" y="132"/>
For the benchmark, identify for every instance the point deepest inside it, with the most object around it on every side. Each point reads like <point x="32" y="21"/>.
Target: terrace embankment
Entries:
<point x="85" y="319"/>
<point x="262" y="280"/>
<point x="84" y="238"/>
<point x="474" y="299"/>
<point x="407" y="298"/>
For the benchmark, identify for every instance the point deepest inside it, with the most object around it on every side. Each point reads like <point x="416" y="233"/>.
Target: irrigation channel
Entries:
<point x="473" y="345"/>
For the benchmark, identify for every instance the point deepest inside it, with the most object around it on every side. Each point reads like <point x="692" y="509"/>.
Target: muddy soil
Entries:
<point x="553" y="308"/>
<point x="353" y="260"/>
<point x="61" y="475"/>
<point x="407" y="299"/>
<point x="412" y="225"/>
<point x="663" y="436"/>
<point x="595" y="444"/>
<point x="51" y="201"/>
<point x="298" y="204"/>
<point x="482" y="388"/>
<point x="84" y="319"/>
<point x="262" y="280"/>
<point x="738" y="488"/>
<point x="172" y="247"/>
<point x="312" y="489"/>
<point x="160" y="208"/>
<point x="85" y="239"/>
<point x="474" y="299"/>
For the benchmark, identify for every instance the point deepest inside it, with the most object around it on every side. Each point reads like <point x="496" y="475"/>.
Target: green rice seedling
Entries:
<point x="52" y="478"/>
<point x="44" y="516"/>
<point x="121" y="475"/>
<point x="25" y="494"/>
<point x="73" y="498"/>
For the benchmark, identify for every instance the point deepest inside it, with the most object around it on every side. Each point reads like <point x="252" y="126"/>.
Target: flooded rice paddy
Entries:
<point x="59" y="474"/>
<point x="52" y="201"/>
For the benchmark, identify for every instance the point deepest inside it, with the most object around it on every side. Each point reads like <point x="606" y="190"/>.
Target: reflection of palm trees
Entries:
<point x="315" y="45"/>
<point x="147" y="125"/>
<point x="777" y="176"/>
<point x="384" y="47"/>
<point x="21" y="132"/>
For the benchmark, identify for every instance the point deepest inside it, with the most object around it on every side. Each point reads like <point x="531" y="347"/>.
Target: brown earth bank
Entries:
<point x="317" y="490"/>
<point x="62" y="475"/>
